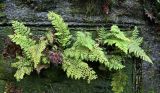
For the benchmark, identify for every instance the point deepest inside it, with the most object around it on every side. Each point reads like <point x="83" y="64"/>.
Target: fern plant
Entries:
<point x="125" y="44"/>
<point x="84" y="49"/>
<point x="128" y="45"/>
<point x="32" y="50"/>
<point x="119" y="82"/>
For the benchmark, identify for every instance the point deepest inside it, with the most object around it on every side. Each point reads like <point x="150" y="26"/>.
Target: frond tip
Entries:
<point x="62" y="31"/>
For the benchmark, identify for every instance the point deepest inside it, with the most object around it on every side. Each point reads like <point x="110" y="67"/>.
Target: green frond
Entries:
<point x="121" y="44"/>
<point x="84" y="39"/>
<point x="62" y="32"/>
<point x="78" y="69"/>
<point x="24" y="42"/>
<point x="36" y="52"/>
<point x="115" y="32"/>
<point x="135" y="33"/>
<point x="32" y="50"/>
<point x="19" y="28"/>
<point x="138" y="52"/>
<point x="23" y="66"/>
<point x="98" y="55"/>
<point x="85" y="48"/>
<point x="115" y="62"/>
<point x="101" y="35"/>
<point x="21" y="36"/>
<point x="119" y="81"/>
<point x="135" y="36"/>
<point x="134" y="46"/>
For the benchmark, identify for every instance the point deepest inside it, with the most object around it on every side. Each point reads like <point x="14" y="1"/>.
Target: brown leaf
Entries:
<point x="149" y="14"/>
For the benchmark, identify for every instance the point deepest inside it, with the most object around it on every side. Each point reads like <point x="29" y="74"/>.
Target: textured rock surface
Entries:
<point x="151" y="73"/>
<point x="126" y="13"/>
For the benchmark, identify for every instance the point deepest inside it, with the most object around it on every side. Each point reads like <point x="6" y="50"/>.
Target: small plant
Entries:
<point x="75" y="56"/>
<point x="119" y="82"/>
<point x="32" y="50"/>
<point x="128" y="45"/>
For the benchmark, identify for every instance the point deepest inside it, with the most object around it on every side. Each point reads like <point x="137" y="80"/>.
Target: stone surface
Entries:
<point x="125" y="13"/>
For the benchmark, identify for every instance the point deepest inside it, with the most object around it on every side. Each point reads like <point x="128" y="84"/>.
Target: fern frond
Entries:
<point x="32" y="50"/>
<point x="138" y="52"/>
<point x="117" y="38"/>
<point x="134" y="46"/>
<point x="115" y="32"/>
<point x="23" y="66"/>
<point x="98" y="55"/>
<point x="102" y="35"/>
<point x="36" y="52"/>
<point x="85" y="48"/>
<point x="24" y="42"/>
<point x="78" y="69"/>
<point x="115" y="62"/>
<point x="119" y="81"/>
<point x="19" y="28"/>
<point x="135" y="33"/>
<point x="85" y="40"/>
<point x="62" y="32"/>
<point x="121" y="44"/>
<point x="21" y="36"/>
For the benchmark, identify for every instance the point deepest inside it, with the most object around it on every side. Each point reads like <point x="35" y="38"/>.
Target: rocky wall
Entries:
<point x="125" y="13"/>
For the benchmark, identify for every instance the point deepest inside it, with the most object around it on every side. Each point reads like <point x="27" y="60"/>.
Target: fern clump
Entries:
<point x="84" y="49"/>
<point x="128" y="45"/>
<point x="56" y="48"/>
<point x="32" y="50"/>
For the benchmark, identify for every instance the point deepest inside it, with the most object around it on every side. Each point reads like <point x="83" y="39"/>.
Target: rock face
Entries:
<point x="125" y="13"/>
<point x="151" y="72"/>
